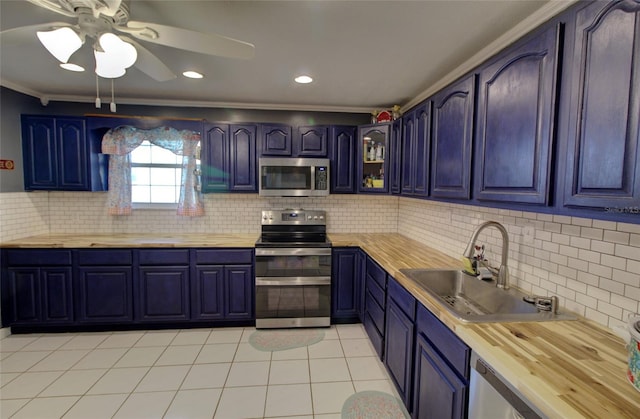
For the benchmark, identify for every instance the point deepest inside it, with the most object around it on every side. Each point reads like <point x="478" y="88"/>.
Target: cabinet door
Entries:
<point x="346" y="286"/>
<point x="399" y="349"/>
<point x="104" y="294"/>
<point x="39" y="152"/>
<point x="406" y="151"/>
<point x="422" y="150"/>
<point x="516" y="108"/>
<point x="243" y="158"/>
<point x="215" y="158"/>
<point x="343" y="149"/>
<point x="24" y="295"/>
<point x="163" y="293"/>
<point x="72" y="154"/>
<point x="373" y="168"/>
<point x="239" y="292"/>
<point x="452" y="132"/>
<point x="207" y="293"/>
<point x="395" y="165"/>
<point x="603" y="160"/>
<point x="275" y="140"/>
<point x="56" y="295"/>
<point x="437" y="392"/>
<point x="311" y="141"/>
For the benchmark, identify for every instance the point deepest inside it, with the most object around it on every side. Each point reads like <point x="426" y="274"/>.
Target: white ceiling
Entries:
<point x="362" y="54"/>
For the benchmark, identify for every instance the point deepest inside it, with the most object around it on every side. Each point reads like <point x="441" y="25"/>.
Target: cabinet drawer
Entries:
<point x="376" y="292"/>
<point x="105" y="257"/>
<point x="403" y="298"/>
<point x="451" y="348"/>
<point x="164" y="257"/>
<point x="223" y="256"/>
<point x="38" y="257"/>
<point x="376" y="313"/>
<point x="376" y="338"/>
<point x="377" y="273"/>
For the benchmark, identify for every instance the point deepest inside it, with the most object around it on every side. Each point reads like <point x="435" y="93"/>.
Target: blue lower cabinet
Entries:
<point x="163" y="293"/>
<point x="374" y="304"/>
<point x="103" y="284"/>
<point x="399" y="338"/>
<point x="207" y="293"/>
<point x="438" y="391"/>
<point x="239" y="291"/>
<point x="104" y="294"/>
<point x="441" y="382"/>
<point x="346" y="285"/>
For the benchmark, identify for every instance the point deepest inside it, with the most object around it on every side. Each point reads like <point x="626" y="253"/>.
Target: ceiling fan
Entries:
<point x="114" y="52"/>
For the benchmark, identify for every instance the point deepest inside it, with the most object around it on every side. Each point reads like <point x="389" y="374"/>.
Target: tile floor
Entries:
<point x="195" y="373"/>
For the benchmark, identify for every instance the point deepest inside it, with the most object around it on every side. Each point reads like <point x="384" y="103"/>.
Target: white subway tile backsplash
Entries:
<point x="592" y="265"/>
<point x="597" y="260"/>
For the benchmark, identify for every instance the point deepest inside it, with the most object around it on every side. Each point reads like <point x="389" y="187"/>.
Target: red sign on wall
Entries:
<point x="7" y="165"/>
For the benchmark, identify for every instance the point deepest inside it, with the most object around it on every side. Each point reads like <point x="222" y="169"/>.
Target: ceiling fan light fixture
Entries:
<point x="192" y="74"/>
<point x="72" y="67"/>
<point x="303" y="79"/>
<point x="61" y="42"/>
<point x="106" y="67"/>
<point x="119" y="51"/>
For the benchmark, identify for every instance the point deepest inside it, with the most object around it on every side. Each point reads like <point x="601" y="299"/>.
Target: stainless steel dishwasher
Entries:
<point x="492" y="397"/>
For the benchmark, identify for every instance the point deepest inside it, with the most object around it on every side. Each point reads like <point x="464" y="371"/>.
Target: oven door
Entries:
<point x="293" y="287"/>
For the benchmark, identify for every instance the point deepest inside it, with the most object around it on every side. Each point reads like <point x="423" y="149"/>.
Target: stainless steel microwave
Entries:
<point x="290" y="176"/>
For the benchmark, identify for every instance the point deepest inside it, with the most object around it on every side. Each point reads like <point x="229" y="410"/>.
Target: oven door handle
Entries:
<point x="293" y="280"/>
<point x="294" y="251"/>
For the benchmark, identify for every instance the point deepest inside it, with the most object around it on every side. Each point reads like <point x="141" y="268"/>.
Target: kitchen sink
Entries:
<point x="472" y="300"/>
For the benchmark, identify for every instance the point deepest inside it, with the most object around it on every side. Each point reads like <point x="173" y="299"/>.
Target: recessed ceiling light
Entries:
<point x="72" y="67"/>
<point x="303" y="79"/>
<point x="192" y="75"/>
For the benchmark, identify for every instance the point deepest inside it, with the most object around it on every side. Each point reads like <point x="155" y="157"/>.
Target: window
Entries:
<point x="156" y="175"/>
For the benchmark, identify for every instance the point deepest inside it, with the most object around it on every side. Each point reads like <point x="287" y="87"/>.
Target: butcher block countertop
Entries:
<point x="568" y="369"/>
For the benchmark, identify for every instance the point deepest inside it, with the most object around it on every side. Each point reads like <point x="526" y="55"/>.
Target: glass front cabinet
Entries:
<point x="373" y="164"/>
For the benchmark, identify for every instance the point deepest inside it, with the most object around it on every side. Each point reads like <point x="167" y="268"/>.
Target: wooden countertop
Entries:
<point x="568" y="369"/>
<point x="134" y="240"/>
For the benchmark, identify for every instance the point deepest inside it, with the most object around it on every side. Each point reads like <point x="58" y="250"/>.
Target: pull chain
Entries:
<point x="112" y="105"/>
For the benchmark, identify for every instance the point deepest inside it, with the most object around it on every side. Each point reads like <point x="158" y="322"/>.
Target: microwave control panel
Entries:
<point x="321" y="178"/>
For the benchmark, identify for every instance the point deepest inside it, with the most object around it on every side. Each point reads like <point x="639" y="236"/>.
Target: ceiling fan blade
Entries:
<point x="53" y="6"/>
<point x="203" y="43"/>
<point x="24" y="34"/>
<point x="149" y="63"/>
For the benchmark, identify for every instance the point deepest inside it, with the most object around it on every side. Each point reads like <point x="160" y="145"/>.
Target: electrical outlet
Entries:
<point x="528" y="234"/>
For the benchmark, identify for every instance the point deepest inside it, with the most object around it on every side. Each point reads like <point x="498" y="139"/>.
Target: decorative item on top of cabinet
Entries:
<point x="342" y="142"/>
<point x="452" y="133"/>
<point x="275" y="140"/>
<point x="416" y="147"/>
<point x="515" y="124"/>
<point x="311" y="141"/>
<point x="603" y="110"/>
<point x="372" y="148"/>
<point x="59" y="156"/>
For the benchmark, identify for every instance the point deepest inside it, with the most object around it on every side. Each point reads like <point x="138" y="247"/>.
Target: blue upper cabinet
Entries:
<point x="343" y="160"/>
<point x="515" y="124"/>
<point x="451" y="137"/>
<point x="311" y="141"/>
<point x="229" y="158"/>
<point x="416" y="147"/>
<point x="603" y="132"/>
<point x="58" y="155"/>
<point x="275" y="140"/>
<point x="373" y="166"/>
<point x="395" y="163"/>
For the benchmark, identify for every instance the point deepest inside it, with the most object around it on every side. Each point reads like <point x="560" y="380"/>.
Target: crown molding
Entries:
<point x="45" y="99"/>
<point x="543" y="14"/>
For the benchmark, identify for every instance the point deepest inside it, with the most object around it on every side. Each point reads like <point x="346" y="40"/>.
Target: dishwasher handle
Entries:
<point x="498" y="383"/>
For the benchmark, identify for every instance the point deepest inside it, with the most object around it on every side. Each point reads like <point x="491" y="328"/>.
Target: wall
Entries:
<point x="593" y="266"/>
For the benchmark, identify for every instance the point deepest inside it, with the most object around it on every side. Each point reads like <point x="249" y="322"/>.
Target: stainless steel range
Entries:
<point x="293" y="270"/>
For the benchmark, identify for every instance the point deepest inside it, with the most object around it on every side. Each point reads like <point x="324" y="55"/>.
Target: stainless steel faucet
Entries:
<point x="503" y="272"/>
